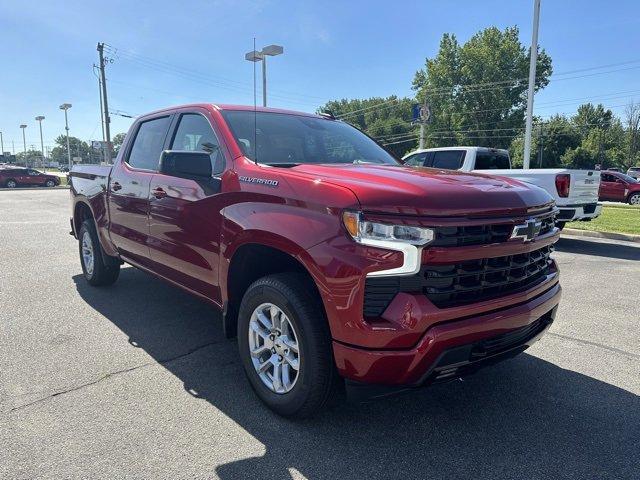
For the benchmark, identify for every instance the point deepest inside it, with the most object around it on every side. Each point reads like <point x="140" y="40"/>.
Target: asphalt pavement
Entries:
<point x="137" y="381"/>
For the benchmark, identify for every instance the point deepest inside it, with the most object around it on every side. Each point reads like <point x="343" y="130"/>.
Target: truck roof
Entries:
<point x="458" y="147"/>
<point x="222" y="107"/>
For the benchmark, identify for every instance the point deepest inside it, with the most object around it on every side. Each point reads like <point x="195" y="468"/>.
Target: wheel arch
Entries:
<point x="250" y="261"/>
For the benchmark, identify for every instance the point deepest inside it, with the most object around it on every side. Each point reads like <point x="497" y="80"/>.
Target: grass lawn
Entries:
<point x="614" y="218"/>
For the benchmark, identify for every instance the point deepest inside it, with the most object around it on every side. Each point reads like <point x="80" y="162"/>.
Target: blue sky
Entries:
<point x="178" y="52"/>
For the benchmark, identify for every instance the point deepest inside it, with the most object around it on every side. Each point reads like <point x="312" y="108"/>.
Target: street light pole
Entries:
<point x="261" y="56"/>
<point x="39" y="119"/>
<point x="65" y="107"/>
<point x="532" y="83"/>
<point x="1" y="145"/>
<point x="24" y="144"/>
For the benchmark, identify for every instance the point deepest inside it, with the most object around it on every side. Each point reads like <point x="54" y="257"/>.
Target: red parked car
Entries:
<point x="330" y="260"/>
<point x="15" y="177"/>
<point x="618" y="187"/>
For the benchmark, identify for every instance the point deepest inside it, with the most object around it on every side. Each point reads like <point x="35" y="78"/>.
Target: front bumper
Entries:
<point x="569" y="213"/>
<point x="453" y="348"/>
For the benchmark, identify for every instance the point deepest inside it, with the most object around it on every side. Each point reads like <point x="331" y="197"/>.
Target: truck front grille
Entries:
<point x="456" y="284"/>
<point x="484" y="279"/>
<point x="481" y="234"/>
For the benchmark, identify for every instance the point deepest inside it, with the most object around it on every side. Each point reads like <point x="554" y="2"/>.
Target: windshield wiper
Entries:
<point x="282" y="165"/>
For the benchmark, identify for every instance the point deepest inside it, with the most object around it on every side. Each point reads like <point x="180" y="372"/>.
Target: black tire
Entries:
<point x="11" y="183"/>
<point x="560" y="225"/>
<point x="317" y="376"/>
<point x="50" y="183"/>
<point x="634" y="199"/>
<point x="105" y="269"/>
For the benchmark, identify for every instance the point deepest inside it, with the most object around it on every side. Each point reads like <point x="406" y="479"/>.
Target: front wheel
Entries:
<point x="634" y="199"/>
<point x="11" y="183"/>
<point x="50" y="183"/>
<point x="99" y="269"/>
<point x="560" y="225"/>
<point x="285" y="345"/>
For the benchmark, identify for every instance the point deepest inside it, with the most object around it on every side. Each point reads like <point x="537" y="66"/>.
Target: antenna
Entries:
<point x="255" y="113"/>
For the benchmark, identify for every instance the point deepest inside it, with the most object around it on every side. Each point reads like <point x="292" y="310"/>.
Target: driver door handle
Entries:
<point x="158" y="192"/>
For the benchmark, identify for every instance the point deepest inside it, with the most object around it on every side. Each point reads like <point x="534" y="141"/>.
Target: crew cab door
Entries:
<point x="129" y="182"/>
<point x="185" y="213"/>
<point x="611" y="187"/>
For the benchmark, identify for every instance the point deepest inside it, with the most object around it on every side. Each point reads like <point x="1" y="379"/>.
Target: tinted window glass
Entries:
<point x="606" y="177"/>
<point x="416" y="160"/>
<point x="492" y="161"/>
<point x="195" y="134"/>
<point x="448" y="159"/>
<point x="291" y="139"/>
<point x="148" y="144"/>
<point x="627" y="178"/>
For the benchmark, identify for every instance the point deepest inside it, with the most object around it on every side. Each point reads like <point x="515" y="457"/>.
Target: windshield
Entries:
<point x="285" y="139"/>
<point x="627" y="178"/>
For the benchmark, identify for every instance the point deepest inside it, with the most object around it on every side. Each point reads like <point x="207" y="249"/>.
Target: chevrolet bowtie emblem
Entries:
<point x="528" y="230"/>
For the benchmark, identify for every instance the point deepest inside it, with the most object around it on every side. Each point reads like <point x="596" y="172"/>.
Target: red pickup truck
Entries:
<point x="333" y="264"/>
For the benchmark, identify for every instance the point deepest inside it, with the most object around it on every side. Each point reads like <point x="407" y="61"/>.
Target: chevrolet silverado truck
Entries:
<point x="332" y="263"/>
<point x="574" y="191"/>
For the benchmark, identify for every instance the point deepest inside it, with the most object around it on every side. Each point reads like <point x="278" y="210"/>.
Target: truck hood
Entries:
<point x="430" y="192"/>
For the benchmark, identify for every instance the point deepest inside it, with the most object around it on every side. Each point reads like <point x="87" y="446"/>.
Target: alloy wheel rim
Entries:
<point x="11" y="184"/>
<point x="274" y="348"/>
<point x="87" y="253"/>
<point x="635" y="200"/>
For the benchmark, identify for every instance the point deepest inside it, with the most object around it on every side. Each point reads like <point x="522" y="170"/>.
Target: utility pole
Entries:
<point x="105" y="104"/>
<point x="532" y="83"/>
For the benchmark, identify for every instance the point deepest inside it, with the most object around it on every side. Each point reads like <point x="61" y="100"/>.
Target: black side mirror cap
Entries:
<point x="186" y="164"/>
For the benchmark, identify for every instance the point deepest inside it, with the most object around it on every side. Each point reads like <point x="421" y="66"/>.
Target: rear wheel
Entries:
<point x="50" y="183"/>
<point x="11" y="183"/>
<point x="634" y="199"/>
<point x="285" y="345"/>
<point x="98" y="268"/>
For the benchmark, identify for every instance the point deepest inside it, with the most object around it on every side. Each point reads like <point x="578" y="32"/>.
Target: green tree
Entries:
<point x="388" y="120"/>
<point x="477" y="91"/>
<point x="550" y="140"/>
<point x="116" y="142"/>
<point x="78" y="148"/>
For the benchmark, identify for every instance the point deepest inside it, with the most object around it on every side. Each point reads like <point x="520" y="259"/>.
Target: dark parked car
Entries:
<point x="14" y="177"/>
<point x="618" y="187"/>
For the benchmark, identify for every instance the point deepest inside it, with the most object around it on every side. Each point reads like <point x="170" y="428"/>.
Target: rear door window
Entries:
<point x="148" y="144"/>
<point x="448" y="159"/>
<point x="492" y="161"/>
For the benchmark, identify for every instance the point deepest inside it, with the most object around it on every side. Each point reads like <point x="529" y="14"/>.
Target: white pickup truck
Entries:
<point x="575" y="191"/>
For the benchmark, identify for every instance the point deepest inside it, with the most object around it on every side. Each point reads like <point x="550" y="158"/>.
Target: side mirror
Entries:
<point x="186" y="164"/>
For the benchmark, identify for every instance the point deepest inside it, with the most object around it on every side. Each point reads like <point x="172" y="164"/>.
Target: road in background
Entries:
<point x="136" y="380"/>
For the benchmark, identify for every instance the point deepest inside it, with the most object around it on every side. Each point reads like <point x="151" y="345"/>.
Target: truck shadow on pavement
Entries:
<point x="599" y="249"/>
<point x="525" y="418"/>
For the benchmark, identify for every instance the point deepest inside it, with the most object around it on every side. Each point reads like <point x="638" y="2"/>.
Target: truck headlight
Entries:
<point x="363" y="230"/>
<point x="401" y="238"/>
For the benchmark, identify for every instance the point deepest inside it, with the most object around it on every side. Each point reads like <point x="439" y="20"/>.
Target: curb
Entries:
<point x="626" y="237"/>
<point x="59" y="187"/>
